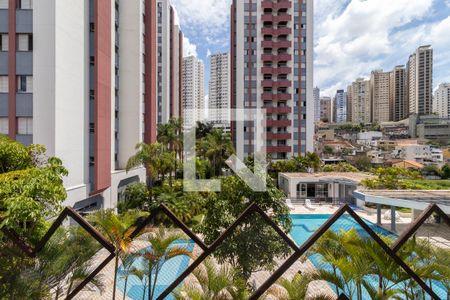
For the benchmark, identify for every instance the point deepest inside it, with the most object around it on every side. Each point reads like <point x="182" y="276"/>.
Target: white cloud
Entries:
<point x="211" y="13"/>
<point x="189" y="49"/>
<point x="208" y="53"/>
<point x="355" y="38"/>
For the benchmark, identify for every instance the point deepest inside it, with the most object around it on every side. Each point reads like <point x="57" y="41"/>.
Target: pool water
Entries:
<point x="304" y="226"/>
<point x="169" y="272"/>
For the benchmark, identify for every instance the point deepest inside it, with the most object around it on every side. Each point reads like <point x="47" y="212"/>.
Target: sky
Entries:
<point x="351" y="37"/>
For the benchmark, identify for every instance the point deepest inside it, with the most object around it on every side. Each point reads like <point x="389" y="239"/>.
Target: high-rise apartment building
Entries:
<point x="272" y="68"/>
<point x="75" y="77"/>
<point x="361" y="105"/>
<point x="326" y="109"/>
<point x="349" y="103"/>
<point x="193" y="95"/>
<point x="420" y="81"/>
<point x="316" y="95"/>
<point x="380" y="96"/>
<point x="441" y="102"/>
<point x="399" y="94"/>
<point x="340" y="107"/>
<point x="164" y="46"/>
<point x="219" y="90"/>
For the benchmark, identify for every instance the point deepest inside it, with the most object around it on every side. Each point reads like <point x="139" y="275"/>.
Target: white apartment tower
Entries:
<point x="360" y="97"/>
<point x="219" y="90"/>
<point x="75" y="84"/>
<point x="272" y="69"/>
<point x="193" y="95"/>
<point x="86" y="80"/>
<point x="380" y="96"/>
<point x="316" y="95"/>
<point x="420" y="81"/>
<point x="340" y="107"/>
<point x="441" y="102"/>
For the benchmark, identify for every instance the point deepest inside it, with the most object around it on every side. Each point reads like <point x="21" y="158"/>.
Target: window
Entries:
<point x="25" y="4"/>
<point x="3" y="4"/>
<point x="25" y="126"/>
<point x="4" y="42"/>
<point x="4" y="86"/>
<point x="4" y="125"/>
<point x="24" y="42"/>
<point x="24" y="84"/>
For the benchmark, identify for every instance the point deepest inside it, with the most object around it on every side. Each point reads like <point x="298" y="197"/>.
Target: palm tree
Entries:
<point x="217" y="147"/>
<point x="117" y="229"/>
<point x="143" y="277"/>
<point x="350" y="268"/>
<point x="128" y="260"/>
<point x="55" y="266"/>
<point x="329" y="247"/>
<point x="80" y="274"/>
<point x="149" y="156"/>
<point x="161" y="251"/>
<point x="214" y="283"/>
<point x="295" y="289"/>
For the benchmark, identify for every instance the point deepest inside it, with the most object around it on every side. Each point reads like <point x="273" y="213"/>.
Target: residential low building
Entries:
<point x="369" y="138"/>
<point x="334" y="187"/>
<point x="418" y="153"/>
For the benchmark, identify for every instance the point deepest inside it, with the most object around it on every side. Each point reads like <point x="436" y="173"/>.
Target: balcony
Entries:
<point x="278" y="136"/>
<point x="277" y="57"/>
<point x="278" y="123"/>
<point x="276" y="45"/>
<point x="276" y="5"/>
<point x="278" y="149"/>
<point x="276" y="97"/>
<point x="276" y="71"/>
<point x="276" y="19"/>
<point x="276" y="84"/>
<point x="278" y="110"/>
<point x="276" y="31"/>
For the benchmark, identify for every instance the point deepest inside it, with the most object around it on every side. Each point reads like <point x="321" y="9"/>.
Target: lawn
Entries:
<point x="423" y="184"/>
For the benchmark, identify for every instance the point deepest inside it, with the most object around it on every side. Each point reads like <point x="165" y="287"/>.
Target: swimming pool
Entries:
<point x="169" y="272"/>
<point x="304" y="226"/>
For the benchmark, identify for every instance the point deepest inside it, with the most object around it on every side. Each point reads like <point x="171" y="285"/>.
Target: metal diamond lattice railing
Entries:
<point x="298" y="251"/>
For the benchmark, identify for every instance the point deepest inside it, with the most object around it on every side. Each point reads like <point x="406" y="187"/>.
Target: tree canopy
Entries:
<point x="250" y="248"/>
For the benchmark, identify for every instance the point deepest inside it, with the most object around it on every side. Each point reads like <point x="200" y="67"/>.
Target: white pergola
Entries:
<point x="414" y="199"/>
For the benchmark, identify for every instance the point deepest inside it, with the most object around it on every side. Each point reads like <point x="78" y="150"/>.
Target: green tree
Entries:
<point x="117" y="229"/>
<point x="295" y="289"/>
<point x="203" y="129"/>
<point x="127" y="269"/>
<point x="135" y="196"/>
<point x="363" y="163"/>
<point x="328" y="150"/>
<point x="31" y="187"/>
<point x="250" y="248"/>
<point x="340" y="167"/>
<point x="391" y="179"/>
<point x="445" y="171"/>
<point x="214" y="283"/>
<point x="162" y="250"/>
<point x="147" y="155"/>
<point x="216" y="147"/>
